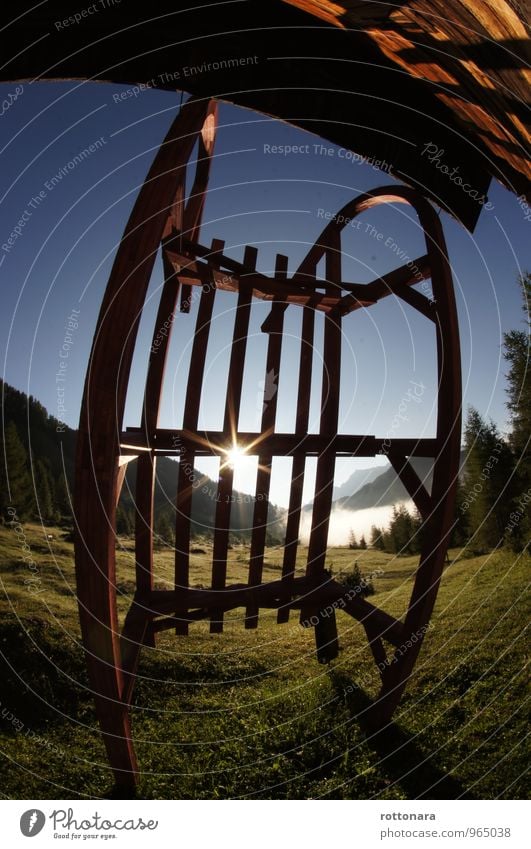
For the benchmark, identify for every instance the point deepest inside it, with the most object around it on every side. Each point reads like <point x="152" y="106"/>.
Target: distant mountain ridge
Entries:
<point x="359" y="478"/>
<point x="53" y="452"/>
<point x="387" y="489"/>
<point x="204" y="501"/>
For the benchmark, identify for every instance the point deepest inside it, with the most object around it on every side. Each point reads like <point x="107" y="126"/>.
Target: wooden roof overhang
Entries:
<point x="382" y="79"/>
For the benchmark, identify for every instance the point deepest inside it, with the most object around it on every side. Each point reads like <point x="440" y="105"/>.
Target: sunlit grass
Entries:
<point x="251" y="712"/>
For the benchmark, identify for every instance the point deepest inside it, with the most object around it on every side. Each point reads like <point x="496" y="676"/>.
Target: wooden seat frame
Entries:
<point x="163" y="217"/>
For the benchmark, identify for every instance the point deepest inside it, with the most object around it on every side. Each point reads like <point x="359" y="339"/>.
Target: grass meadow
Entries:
<point x="251" y="714"/>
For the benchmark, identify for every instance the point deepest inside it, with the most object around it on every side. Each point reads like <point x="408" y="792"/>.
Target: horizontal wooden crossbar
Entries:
<point x="217" y="443"/>
<point x="264" y="288"/>
<point x="297" y="290"/>
<point x="194" y="604"/>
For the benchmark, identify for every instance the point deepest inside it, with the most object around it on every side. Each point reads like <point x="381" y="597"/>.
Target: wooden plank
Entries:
<point x="326" y="630"/>
<point x="230" y="428"/>
<point x="269" y="410"/>
<point x="265" y="288"/>
<point x="413" y="272"/>
<point x="189" y="219"/>
<point x="122" y="469"/>
<point x="396" y="282"/>
<point x="299" y="460"/>
<point x="416" y="300"/>
<point x="270" y="595"/>
<point x="135" y="634"/>
<point x="376" y="645"/>
<point x="144" y="495"/>
<point x="196" y="201"/>
<point x="221" y="543"/>
<point x="324" y="482"/>
<point x="213" y="442"/>
<point x="158" y="354"/>
<point x="412" y="483"/>
<point x="190" y="418"/>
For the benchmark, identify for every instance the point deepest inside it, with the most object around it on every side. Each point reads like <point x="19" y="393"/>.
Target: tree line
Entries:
<point x="494" y="489"/>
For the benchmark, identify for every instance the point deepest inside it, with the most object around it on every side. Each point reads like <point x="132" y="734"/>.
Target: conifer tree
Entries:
<point x="517" y="346"/>
<point x="44" y="501"/>
<point x="488" y="483"/>
<point x="15" y="482"/>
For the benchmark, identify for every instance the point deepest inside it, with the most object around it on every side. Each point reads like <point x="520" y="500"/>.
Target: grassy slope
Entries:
<point x="252" y="713"/>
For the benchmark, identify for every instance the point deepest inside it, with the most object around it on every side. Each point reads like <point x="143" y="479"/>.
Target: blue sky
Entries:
<point x="61" y="257"/>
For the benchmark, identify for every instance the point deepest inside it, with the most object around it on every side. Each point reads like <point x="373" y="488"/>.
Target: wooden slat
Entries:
<point x="299" y="461"/>
<point x="159" y="353"/>
<point x="265" y="288"/>
<point x="145" y="490"/>
<point x="122" y="469"/>
<point x="146" y="467"/>
<point x="230" y="427"/>
<point x="324" y="482"/>
<point x="196" y="202"/>
<point x="213" y="442"/>
<point x="418" y="301"/>
<point x="376" y="645"/>
<point x="396" y="282"/>
<point x="221" y="543"/>
<point x="269" y="410"/>
<point x="412" y="483"/>
<point x="135" y="635"/>
<point x="190" y="420"/>
<point x="326" y="631"/>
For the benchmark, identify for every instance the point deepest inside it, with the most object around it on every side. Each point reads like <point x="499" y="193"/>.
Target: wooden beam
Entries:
<point x="214" y="443"/>
<point x="269" y="410"/>
<point x="415" y="487"/>
<point x="230" y="431"/>
<point x="194" y="208"/>
<point x="190" y="418"/>
<point x="271" y="595"/>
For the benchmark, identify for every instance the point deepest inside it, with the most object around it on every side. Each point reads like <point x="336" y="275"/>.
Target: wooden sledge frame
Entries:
<point x="162" y="216"/>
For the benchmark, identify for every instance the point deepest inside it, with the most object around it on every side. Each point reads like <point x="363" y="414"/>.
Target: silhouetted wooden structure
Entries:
<point x="163" y="217"/>
<point x="383" y="79"/>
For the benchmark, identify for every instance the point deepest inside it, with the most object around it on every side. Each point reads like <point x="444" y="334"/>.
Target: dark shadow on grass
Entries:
<point x="120" y="792"/>
<point x="398" y="755"/>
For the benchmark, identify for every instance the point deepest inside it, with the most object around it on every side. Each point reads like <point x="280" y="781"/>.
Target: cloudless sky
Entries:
<point x="61" y="260"/>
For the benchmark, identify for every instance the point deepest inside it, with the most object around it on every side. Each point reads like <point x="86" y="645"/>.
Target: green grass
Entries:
<point x="251" y="713"/>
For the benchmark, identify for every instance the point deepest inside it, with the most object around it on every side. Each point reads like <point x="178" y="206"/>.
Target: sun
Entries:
<point x="234" y="454"/>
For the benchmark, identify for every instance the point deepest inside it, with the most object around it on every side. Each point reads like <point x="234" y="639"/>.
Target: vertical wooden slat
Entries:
<point x="189" y="219"/>
<point x="269" y="410"/>
<point x="324" y="482"/>
<point x="230" y="427"/>
<point x="146" y="465"/>
<point x="194" y="208"/>
<point x="145" y="488"/>
<point x="299" y="459"/>
<point x="190" y="419"/>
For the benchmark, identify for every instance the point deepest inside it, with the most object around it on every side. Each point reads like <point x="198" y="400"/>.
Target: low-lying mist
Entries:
<point x="342" y="522"/>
